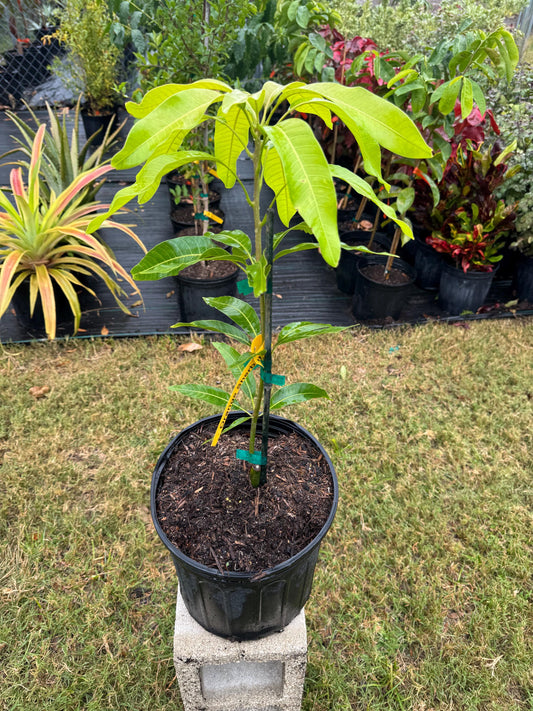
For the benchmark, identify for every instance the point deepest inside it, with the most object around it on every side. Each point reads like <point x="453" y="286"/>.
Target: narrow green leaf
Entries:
<point x="238" y="311"/>
<point x="479" y="96"/>
<point x="231" y="138"/>
<point x="301" y="247"/>
<point x="295" y="393"/>
<point x="467" y="98"/>
<point x="305" y="329"/>
<point x="207" y="393"/>
<point x="310" y="186"/>
<point x="216" y="327"/>
<point x="172" y="256"/>
<point x="276" y="180"/>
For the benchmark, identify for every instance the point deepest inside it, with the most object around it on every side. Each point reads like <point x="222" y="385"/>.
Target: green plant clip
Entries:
<point x="200" y="216"/>
<point x="204" y="195"/>
<point x="271" y="378"/>
<point x="243" y="287"/>
<point x="253" y="458"/>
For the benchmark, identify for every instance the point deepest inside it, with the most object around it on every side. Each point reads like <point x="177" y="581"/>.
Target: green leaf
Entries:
<point x="479" y="96"/>
<point x="217" y="327"/>
<point x="294" y="393"/>
<point x="450" y="92"/>
<point x="388" y="125"/>
<point x="276" y="180"/>
<point x="404" y="200"/>
<point x="236" y="362"/>
<point x="305" y="329"/>
<point x="301" y="247"/>
<point x="162" y="130"/>
<point x="172" y="256"/>
<point x="238" y="311"/>
<point x="207" y="393"/>
<point x="467" y="98"/>
<point x="363" y="188"/>
<point x="237" y="239"/>
<point x="149" y="177"/>
<point x="310" y="186"/>
<point x="231" y="138"/>
<point x="302" y="16"/>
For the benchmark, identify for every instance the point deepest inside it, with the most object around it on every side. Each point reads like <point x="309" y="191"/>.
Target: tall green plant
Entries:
<point x="287" y="158"/>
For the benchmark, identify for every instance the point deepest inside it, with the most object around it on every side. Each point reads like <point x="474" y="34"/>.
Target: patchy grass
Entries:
<point x="422" y="599"/>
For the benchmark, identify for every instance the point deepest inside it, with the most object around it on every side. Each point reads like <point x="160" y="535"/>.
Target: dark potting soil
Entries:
<point x="190" y="230"/>
<point x="184" y="214"/>
<point x="209" y="270"/>
<point x="376" y="272"/>
<point x="209" y="510"/>
<point x="349" y="225"/>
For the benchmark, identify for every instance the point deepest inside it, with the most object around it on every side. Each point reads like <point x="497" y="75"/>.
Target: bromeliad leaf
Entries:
<point x="238" y="311"/>
<point x="305" y="329"/>
<point x="217" y="327"/>
<point x="294" y="393"/>
<point x="207" y="393"/>
<point x="171" y="257"/>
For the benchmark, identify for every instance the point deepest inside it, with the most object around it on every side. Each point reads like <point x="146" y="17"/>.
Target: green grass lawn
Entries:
<point x="422" y="597"/>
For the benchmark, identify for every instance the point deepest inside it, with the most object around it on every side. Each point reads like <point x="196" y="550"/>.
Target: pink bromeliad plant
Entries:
<point x="46" y="241"/>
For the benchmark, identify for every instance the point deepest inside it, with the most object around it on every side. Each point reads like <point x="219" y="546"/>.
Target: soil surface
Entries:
<point x="209" y="510"/>
<point x="209" y="270"/>
<point x="376" y="272"/>
<point x="184" y="215"/>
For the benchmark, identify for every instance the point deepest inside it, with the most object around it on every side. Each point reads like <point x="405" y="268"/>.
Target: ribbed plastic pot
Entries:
<point x="461" y="291"/>
<point x="191" y="293"/>
<point x="428" y="265"/>
<point x="245" y="605"/>
<point x="99" y="123"/>
<point x="524" y="279"/>
<point x="346" y="268"/>
<point x="376" y="299"/>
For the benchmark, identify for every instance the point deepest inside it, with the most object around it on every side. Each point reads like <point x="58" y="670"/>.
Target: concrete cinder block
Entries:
<point x="216" y="674"/>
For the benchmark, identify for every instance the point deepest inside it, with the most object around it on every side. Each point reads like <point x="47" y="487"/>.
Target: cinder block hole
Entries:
<point x="241" y="680"/>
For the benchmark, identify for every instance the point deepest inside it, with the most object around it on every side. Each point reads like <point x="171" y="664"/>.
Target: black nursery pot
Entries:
<point x="345" y="271"/>
<point x="377" y="300"/>
<point x="463" y="291"/>
<point x="93" y="124"/>
<point x="245" y="605"/>
<point x="191" y="293"/>
<point x="524" y="279"/>
<point x="428" y="265"/>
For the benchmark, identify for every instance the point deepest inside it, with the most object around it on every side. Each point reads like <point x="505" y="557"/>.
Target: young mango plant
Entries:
<point x="289" y="160"/>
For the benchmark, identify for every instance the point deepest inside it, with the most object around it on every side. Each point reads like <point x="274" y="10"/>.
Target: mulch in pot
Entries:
<point x="209" y="270"/>
<point x="209" y="510"/>
<point x="376" y="272"/>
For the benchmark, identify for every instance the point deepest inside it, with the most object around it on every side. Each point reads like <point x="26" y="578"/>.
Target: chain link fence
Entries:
<point x="26" y="48"/>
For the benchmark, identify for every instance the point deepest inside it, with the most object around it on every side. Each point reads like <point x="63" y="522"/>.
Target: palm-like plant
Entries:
<point x="48" y="241"/>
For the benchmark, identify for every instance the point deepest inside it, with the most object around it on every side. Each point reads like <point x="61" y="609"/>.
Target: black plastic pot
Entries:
<point x="98" y="125"/>
<point x="346" y="269"/>
<point x="428" y="264"/>
<point x="524" y="279"/>
<point x="375" y="299"/>
<point x="461" y="291"/>
<point x="191" y="293"/>
<point x="245" y="605"/>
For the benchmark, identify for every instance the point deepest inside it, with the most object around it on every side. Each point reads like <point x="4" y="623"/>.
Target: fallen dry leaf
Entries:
<point x="38" y="391"/>
<point x="104" y="331"/>
<point x="169" y="294"/>
<point x="138" y="303"/>
<point x="190" y="347"/>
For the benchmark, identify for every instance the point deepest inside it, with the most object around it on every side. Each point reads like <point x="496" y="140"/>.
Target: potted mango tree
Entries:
<point x="243" y="500"/>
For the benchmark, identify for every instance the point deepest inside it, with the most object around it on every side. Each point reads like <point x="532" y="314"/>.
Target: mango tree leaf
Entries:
<point x="294" y="393"/>
<point x="150" y="175"/>
<point x="276" y="180"/>
<point x="156" y="96"/>
<point x="236" y="239"/>
<point x="207" y="393"/>
<point x="363" y="188"/>
<point x="236" y="362"/>
<point x="238" y="311"/>
<point x="231" y="138"/>
<point x="217" y="327"/>
<point x="305" y="329"/>
<point x="302" y="247"/>
<point x="404" y="200"/>
<point x="257" y="273"/>
<point x="172" y="256"/>
<point x="310" y="186"/>
<point x="160" y="131"/>
<point x="388" y="125"/>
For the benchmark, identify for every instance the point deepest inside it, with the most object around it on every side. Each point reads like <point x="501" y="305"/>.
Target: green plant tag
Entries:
<point x="271" y="378"/>
<point x="243" y="287"/>
<point x="254" y="458"/>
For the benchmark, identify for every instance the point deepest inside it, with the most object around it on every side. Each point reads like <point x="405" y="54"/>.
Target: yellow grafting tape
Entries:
<point x="256" y="349"/>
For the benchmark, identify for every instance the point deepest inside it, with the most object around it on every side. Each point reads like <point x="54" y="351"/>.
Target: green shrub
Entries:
<point x="414" y="25"/>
